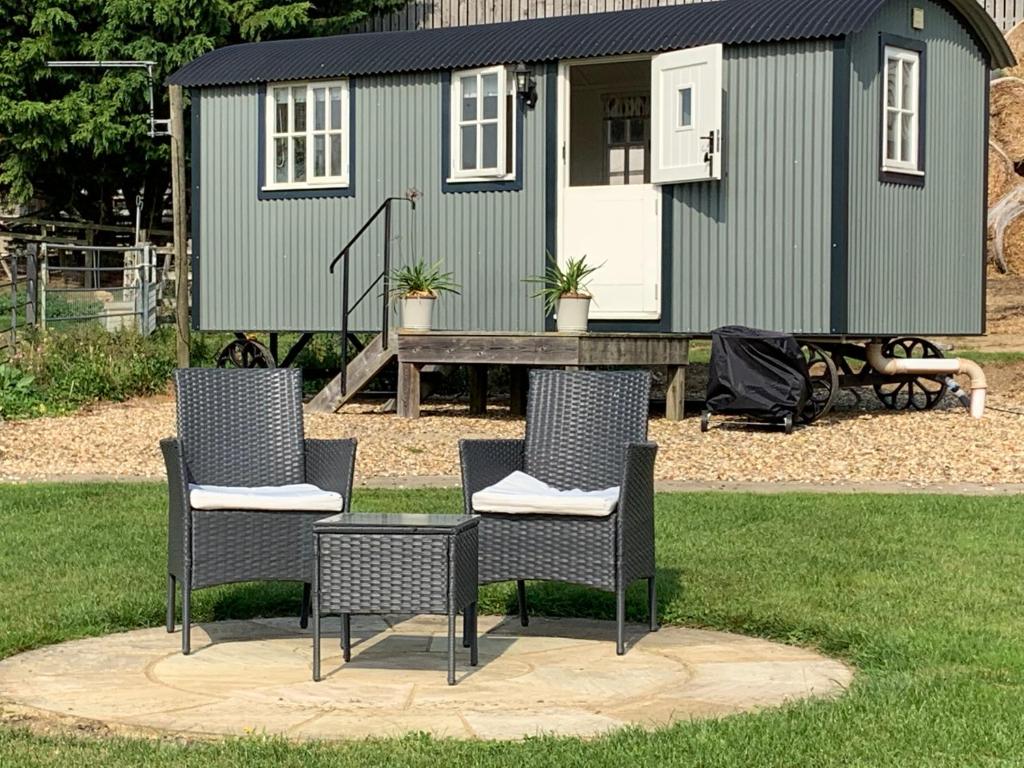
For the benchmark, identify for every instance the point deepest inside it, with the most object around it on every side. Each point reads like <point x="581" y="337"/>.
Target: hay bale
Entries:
<point x="1013" y="246"/>
<point x="1006" y="116"/>
<point x="1015" y="38"/>
<point x="1001" y="175"/>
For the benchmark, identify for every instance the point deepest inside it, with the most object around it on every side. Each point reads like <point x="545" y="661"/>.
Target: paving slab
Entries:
<point x="557" y="676"/>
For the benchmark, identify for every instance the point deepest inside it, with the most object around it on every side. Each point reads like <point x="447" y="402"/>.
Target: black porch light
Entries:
<point x="526" y="85"/>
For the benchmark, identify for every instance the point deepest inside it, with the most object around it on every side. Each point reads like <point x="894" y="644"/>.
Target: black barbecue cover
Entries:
<point x="756" y="373"/>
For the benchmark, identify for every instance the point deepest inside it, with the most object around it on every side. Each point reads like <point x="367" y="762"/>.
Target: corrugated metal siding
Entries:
<point x="1006" y="13"/>
<point x="754" y="248"/>
<point x="915" y="263"/>
<point x="264" y="263"/>
<point x="455" y="13"/>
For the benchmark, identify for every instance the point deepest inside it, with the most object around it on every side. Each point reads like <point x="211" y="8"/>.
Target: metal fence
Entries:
<point x="17" y="298"/>
<point x="1007" y="13"/>
<point x="113" y="286"/>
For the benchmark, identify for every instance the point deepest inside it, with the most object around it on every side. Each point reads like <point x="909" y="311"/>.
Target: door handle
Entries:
<point x="709" y="156"/>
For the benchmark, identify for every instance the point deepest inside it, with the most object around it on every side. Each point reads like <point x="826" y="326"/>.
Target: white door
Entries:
<point x="686" y="115"/>
<point x="618" y="229"/>
<point x="614" y="219"/>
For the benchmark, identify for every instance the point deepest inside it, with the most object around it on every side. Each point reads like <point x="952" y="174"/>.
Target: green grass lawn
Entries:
<point x="923" y="594"/>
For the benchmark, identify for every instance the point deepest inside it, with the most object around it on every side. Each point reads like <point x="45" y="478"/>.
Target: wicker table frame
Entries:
<point x="395" y="563"/>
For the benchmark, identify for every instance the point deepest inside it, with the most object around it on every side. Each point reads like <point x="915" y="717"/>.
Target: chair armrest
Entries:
<point x="636" y="510"/>
<point x="330" y="464"/>
<point x="485" y="462"/>
<point x="179" y="513"/>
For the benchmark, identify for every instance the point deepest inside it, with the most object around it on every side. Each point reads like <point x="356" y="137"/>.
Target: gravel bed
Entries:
<point x="854" y="446"/>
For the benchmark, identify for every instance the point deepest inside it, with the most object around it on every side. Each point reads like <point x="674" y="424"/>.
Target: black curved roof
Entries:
<point x="646" y="30"/>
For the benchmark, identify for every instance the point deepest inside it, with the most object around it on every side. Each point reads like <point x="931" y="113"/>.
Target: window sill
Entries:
<point x="907" y="178"/>
<point x="902" y="171"/>
<point x="304" y="187"/>
<point x="480" y="180"/>
<point x="308" y="192"/>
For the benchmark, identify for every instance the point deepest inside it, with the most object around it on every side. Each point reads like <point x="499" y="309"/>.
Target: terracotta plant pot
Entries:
<point x="417" y="313"/>
<point x="572" y="314"/>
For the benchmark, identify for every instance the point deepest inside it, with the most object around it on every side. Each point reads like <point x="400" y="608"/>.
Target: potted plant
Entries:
<point x="564" y="291"/>
<point x="417" y="287"/>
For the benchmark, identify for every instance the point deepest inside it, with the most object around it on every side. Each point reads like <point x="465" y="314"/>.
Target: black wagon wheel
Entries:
<point x="909" y="391"/>
<point x="824" y="382"/>
<point x="245" y="353"/>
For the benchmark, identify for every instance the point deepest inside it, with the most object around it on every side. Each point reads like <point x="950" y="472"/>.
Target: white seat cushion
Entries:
<point x="521" y="494"/>
<point x="302" y="497"/>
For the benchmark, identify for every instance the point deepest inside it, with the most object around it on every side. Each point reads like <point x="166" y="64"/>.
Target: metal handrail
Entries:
<point x="385" y="276"/>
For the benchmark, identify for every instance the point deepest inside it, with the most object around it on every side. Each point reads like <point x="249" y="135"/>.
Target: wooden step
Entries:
<point x="361" y="369"/>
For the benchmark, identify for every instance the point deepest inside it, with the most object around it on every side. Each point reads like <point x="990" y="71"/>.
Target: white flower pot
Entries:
<point x="417" y="313"/>
<point x="572" y="314"/>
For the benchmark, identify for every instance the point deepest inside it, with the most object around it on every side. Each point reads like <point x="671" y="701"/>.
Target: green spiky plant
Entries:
<point x="422" y="281"/>
<point x="556" y="282"/>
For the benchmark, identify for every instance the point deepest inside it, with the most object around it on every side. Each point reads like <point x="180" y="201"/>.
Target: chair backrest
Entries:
<point x="578" y="423"/>
<point x="241" y="427"/>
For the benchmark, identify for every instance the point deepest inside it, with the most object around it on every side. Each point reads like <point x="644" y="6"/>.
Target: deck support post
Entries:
<point x="180" y="226"/>
<point x="409" y="390"/>
<point x="477" y="390"/>
<point x="675" y="392"/>
<point x="517" y="386"/>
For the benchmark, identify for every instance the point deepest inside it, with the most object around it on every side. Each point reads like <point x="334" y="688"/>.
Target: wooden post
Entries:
<point x="517" y="386"/>
<point x="477" y="390"/>
<point x="180" y="227"/>
<point x="675" y="392"/>
<point x="409" y="390"/>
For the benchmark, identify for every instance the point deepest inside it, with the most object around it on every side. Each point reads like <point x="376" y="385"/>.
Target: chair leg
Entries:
<point x="474" y="651"/>
<point x="524" y="617"/>
<point x="307" y="593"/>
<point x="186" y="617"/>
<point x="316" y="643"/>
<point x="346" y="637"/>
<point x="170" y="602"/>
<point x="620" y="621"/>
<point x="652" y="603"/>
<point x="451" y="648"/>
<point x="468" y="620"/>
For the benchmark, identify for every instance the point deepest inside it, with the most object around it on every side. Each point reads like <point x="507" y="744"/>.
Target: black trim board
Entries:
<point x="303" y="194"/>
<point x="505" y="185"/>
<point x="919" y="46"/>
<point x="551" y="160"/>
<point x="840" y="240"/>
<point x="195" y="96"/>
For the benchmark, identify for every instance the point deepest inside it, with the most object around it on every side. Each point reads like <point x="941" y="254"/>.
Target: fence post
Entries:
<point x="14" y="299"/>
<point x="31" y="296"/>
<point x="44" y="272"/>
<point x="143" y="294"/>
<point x="178" y="202"/>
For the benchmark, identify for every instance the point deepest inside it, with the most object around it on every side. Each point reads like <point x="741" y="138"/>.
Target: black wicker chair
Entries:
<point x="243" y="428"/>
<point x="584" y="430"/>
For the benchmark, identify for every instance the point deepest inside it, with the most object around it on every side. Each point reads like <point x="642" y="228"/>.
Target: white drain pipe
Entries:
<point x="892" y="366"/>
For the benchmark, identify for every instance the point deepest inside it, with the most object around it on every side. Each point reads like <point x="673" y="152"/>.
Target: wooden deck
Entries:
<point x="521" y="351"/>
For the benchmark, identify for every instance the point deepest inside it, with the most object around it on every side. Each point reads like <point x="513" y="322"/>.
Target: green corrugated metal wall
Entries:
<point x="263" y="264"/>
<point x="754" y="248"/>
<point x="915" y="258"/>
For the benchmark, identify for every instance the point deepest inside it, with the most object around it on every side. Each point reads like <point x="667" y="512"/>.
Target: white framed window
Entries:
<point x="307" y="135"/>
<point x="901" y="113"/>
<point x="483" y="139"/>
<point x="627" y="138"/>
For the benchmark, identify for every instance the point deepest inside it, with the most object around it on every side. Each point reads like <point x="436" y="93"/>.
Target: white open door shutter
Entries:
<point x="686" y="115"/>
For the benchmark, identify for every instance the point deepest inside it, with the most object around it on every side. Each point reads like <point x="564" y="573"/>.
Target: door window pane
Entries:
<point x="490" y="83"/>
<point x="616" y="131"/>
<point x="299" y="99"/>
<point x="636" y="160"/>
<point x="319" y="109"/>
<point x="468" y="97"/>
<point x="617" y="160"/>
<point x="686" y="107"/>
<point x="335" y="155"/>
<point x="468" y="147"/>
<point x="300" y="159"/>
